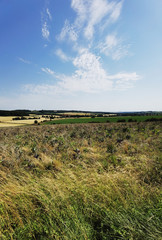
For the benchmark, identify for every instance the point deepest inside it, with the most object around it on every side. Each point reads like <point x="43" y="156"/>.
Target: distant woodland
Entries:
<point x="59" y="112"/>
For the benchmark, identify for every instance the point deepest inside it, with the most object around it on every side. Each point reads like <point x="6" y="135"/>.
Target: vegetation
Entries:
<point x="7" y="121"/>
<point x="105" y="119"/>
<point x="95" y="181"/>
<point x="15" y="113"/>
<point x="63" y="113"/>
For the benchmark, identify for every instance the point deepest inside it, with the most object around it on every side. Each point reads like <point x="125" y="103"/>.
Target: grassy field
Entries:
<point x="9" y="122"/>
<point x="100" y="119"/>
<point x="89" y="181"/>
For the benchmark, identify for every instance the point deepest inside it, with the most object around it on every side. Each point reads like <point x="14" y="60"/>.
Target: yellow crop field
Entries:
<point x="6" y="119"/>
<point x="9" y="122"/>
<point x="75" y="113"/>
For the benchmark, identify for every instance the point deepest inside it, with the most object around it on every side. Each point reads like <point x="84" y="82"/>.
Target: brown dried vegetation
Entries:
<point x="94" y="181"/>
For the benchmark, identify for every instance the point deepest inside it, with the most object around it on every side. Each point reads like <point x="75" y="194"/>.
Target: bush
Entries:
<point x="153" y="120"/>
<point x="121" y="120"/>
<point x="132" y="120"/>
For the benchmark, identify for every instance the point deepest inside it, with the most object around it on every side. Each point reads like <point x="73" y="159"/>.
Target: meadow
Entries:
<point x="103" y="119"/>
<point x="69" y="118"/>
<point x="82" y="181"/>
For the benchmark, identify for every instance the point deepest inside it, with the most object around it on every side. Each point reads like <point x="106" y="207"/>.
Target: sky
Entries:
<point x="93" y="55"/>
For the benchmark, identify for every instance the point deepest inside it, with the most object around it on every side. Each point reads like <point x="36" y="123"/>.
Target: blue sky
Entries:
<point x="99" y="55"/>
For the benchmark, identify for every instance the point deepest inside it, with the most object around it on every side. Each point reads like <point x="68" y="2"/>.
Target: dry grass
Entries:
<point x="99" y="181"/>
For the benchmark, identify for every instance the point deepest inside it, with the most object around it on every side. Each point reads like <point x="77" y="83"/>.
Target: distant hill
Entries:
<point x="23" y="112"/>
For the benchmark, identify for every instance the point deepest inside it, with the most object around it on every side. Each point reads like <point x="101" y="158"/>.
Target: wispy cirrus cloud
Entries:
<point x="98" y="11"/>
<point x="45" y="31"/>
<point x="49" y="14"/>
<point x="68" y="31"/>
<point x="42" y="89"/>
<point x="24" y="60"/>
<point x="116" y="11"/>
<point x="113" y="47"/>
<point x="89" y="77"/>
<point x="92" y="17"/>
<point x="45" y="18"/>
<point x="124" y="80"/>
<point x="62" y="55"/>
<point x="90" y="14"/>
<point x="48" y="71"/>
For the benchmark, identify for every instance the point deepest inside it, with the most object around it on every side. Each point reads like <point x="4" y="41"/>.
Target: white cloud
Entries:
<point x="24" y="60"/>
<point x="113" y="47"/>
<point x="80" y="7"/>
<point x="89" y="77"/>
<point x="116" y="11"/>
<point x="114" y="15"/>
<point x="90" y="13"/>
<point x="111" y="41"/>
<point x="124" y="80"/>
<point x="45" y="31"/>
<point x="67" y="31"/>
<point x="43" y="89"/>
<point x="86" y="60"/>
<point x="120" y="52"/>
<point x="62" y="55"/>
<point x="48" y="71"/>
<point x="97" y="11"/>
<point x="45" y="18"/>
<point x="49" y="14"/>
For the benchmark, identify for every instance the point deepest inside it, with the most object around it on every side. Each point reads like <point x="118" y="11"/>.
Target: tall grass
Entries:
<point x="89" y="182"/>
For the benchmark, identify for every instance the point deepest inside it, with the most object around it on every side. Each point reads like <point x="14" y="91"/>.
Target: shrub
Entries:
<point x="121" y="120"/>
<point x="111" y="148"/>
<point x="132" y="120"/>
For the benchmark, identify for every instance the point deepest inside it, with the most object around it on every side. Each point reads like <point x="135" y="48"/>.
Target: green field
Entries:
<point x="101" y="119"/>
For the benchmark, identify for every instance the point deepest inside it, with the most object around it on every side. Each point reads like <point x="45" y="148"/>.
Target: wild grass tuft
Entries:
<point x="88" y="182"/>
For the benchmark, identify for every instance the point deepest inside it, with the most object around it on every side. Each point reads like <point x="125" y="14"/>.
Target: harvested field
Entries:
<point x="9" y="122"/>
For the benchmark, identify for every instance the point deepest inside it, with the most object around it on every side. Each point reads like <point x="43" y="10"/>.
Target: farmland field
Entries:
<point x="83" y="181"/>
<point x="101" y="119"/>
<point x="9" y="122"/>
